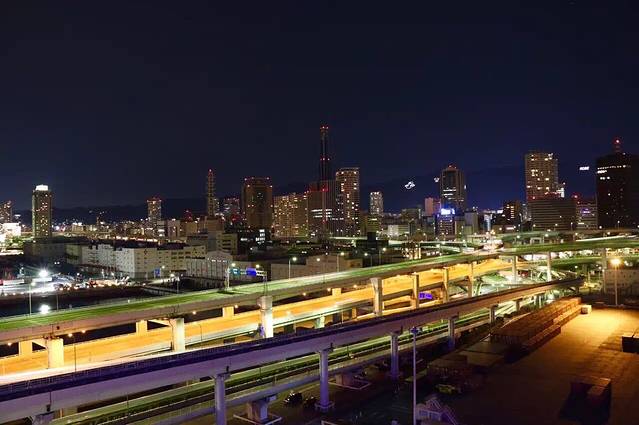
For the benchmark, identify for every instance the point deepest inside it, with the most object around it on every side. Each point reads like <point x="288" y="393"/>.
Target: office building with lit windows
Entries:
<point x="452" y="188"/>
<point x="42" y="207"/>
<point x="212" y="203"/>
<point x="586" y="212"/>
<point x="542" y="176"/>
<point x="348" y="199"/>
<point x="618" y="189"/>
<point x="290" y="219"/>
<point x="376" y="204"/>
<point x="257" y="202"/>
<point x="154" y="210"/>
<point x="6" y="212"/>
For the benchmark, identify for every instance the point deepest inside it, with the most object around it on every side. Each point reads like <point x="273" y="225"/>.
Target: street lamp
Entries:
<point x="293" y="259"/>
<point x="341" y="254"/>
<point x="30" y="290"/>
<point x="413" y="331"/>
<point x="379" y="251"/>
<point x="615" y="263"/>
<point x="366" y="255"/>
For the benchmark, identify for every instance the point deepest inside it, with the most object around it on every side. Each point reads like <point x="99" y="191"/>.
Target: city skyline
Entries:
<point x="508" y="91"/>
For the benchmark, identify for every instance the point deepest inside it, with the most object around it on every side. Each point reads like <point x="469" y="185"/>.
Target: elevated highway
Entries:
<point x="312" y="312"/>
<point x="35" y="326"/>
<point x="57" y="390"/>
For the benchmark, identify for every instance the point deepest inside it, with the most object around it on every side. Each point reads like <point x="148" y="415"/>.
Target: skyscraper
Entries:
<point x="291" y="216"/>
<point x="376" y="204"/>
<point x="542" y="176"/>
<point x="41" y="210"/>
<point x="154" y="210"/>
<point x="431" y="206"/>
<point x="6" y="212"/>
<point x="230" y="206"/>
<point x="618" y="189"/>
<point x="452" y="188"/>
<point x="348" y="199"/>
<point x="512" y="212"/>
<point x="323" y="217"/>
<point x="257" y="202"/>
<point x="325" y="161"/>
<point x="212" y="203"/>
<point x="586" y="213"/>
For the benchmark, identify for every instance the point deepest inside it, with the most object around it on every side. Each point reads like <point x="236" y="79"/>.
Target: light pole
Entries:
<point x="341" y="254"/>
<point x="75" y="353"/>
<point x="293" y="259"/>
<point x="30" y="289"/>
<point x="413" y="331"/>
<point x="615" y="263"/>
<point x="379" y="251"/>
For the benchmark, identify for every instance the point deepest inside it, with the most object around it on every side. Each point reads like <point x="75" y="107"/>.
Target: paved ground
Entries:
<point x="534" y="389"/>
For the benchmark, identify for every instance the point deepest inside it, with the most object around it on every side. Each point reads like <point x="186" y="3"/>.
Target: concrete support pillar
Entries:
<point x="228" y="311"/>
<point x="471" y="277"/>
<point x="141" y="326"/>
<point x="604" y="259"/>
<point x="378" y="303"/>
<point x="257" y="411"/>
<point x="220" y="399"/>
<point x="394" y="352"/>
<point x="320" y="322"/>
<point x="517" y="304"/>
<point x="178" y="341"/>
<point x="68" y="411"/>
<point x="25" y="348"/>
<point x="451" y="332"/>
<point x="414" y="298"/>
<point x="266" y="315"/>
<point x="336" y="291"/>
<point x="514" y="271"/>
<point x="324" y="404"/>
<point x="55" y="352"/>
<point x="548" y="267"/>
<point x="445" y="279"/>
<point x="43" y="419"/>
<point x="493" y="313"/>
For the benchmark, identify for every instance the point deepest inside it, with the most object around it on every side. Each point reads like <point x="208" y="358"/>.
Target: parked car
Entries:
<point x="309" y="402"/>
<point x="294" y="397"/>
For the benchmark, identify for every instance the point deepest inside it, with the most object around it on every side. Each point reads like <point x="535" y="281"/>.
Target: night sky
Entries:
<point x="112" y="102"/>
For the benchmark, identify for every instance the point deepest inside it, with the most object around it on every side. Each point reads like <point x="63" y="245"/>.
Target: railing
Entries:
<point x="23" y="388"/>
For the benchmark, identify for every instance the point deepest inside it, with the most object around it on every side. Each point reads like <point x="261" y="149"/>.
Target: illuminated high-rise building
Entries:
<point x="618" y="189"/>
<point x="257" y="202"/>
<point x="290" y="219"/>
<point x="154" y="210"/>
<point x="376" y="204"/>
<point x="348" y="199"/>
<point x="586" y="213"/>
<point x="230" y="206"/>
<point x="512" y="212"/>
<point x="542" y="176"/>
<point x="452" y="188"/>
<point x="431" y="206"/>
<point x="41" y="210"/>
<point x="324" y="218"/>
<point x="325" y="160"/>
<point x="6" y="212"/>
<point x="212" y="203"/>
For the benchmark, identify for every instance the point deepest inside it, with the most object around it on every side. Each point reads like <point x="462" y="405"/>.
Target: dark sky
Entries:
<point x="112" y="102"/>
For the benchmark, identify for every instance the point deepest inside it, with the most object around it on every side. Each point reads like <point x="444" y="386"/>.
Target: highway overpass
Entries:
<point x="353" y="304"/>
<point x="60" y="389"/>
